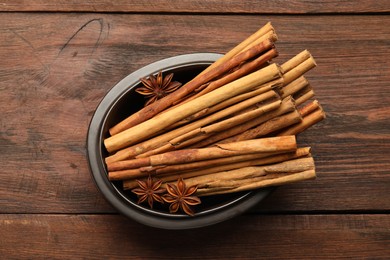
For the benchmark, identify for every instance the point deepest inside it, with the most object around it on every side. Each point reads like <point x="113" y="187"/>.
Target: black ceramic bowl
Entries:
<point x="120" y="102"/>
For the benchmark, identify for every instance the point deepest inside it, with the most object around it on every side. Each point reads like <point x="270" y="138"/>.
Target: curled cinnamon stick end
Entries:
<point x="308" y="120"/>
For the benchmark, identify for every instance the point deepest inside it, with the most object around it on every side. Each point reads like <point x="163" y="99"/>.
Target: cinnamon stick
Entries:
<point x="299" y="70"/>
<point x="267" y="127"/>
<point x="246" y="174"/>
<point x="307" y="121"/>
<point x="265" y="30"/>
<point x="187" y="167"/>
<point x="309" y="108"/>
<point x="243" y="70"/>
<point x="173" y="172"/>
<point x="250" y="177"/>
<point x="239" y="165"/>
<point x="287" y="105"/>
<point x="251" y="97"/>
<point x="270" y="35"/>
<point x="272" y="144"/>
<point x="261" y="182"/>
<point x="273" y="85"/>
<point x="295" y="61"/>
<point x="305" y="97"/>
<point x="158" y="106"/>
<point x="293" y="87"/>
<point x="202" y="133"/>
<point x="148" y="128"/>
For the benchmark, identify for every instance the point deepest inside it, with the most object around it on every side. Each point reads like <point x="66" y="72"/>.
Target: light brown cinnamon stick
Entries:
<point x="243" y="70"/>
<point x="293" y="87"/>
<point x="173" y="172"/>
<point x="270" y="35"/>
<point x="245" y="175"/>
<point x="261" y="182"/>
<point x="305" y="96"/>
<point x="245" y="178"/>
<point x="202" y="133"/>
<point x="309" y="108"/>
<point x="307" y="121"/>
<point x="158" y="106"/>
<point x="148" y="128"/>
<point x="265" y="30"/>
<point x="246" y="99"/>
<point x="299" y="70"/>
<point x="267" y="127"/>
<point x="287" y="105"/>
<point x="186" y="167"/>
<point x="295" y="61"/>
<point x="273" y="85"/>
<point x="272" y="144"/>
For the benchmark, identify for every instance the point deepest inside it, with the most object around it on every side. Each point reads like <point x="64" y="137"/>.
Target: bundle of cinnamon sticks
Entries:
<point x="231" y="128"/>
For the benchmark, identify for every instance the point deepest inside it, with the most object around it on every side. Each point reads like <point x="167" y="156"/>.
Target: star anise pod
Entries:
<point x="149" y="190"/>
<point x="180" y="197"/>
<point x="155" y="88"/>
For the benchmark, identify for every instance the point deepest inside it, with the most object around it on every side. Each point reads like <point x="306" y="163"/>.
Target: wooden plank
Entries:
<point x="196" y="6"/>
<point x="55" y="68"/>
<point x="249" y="237"/>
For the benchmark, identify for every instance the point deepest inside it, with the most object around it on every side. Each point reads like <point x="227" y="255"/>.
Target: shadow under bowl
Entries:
<point x="120" y="102"/>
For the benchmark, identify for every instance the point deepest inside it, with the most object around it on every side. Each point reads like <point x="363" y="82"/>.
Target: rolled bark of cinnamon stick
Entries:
<point x="287" y="105"/>
<point x="299" y="70"/>
<point x="305" y="96"/>
<point x="252" y="177"/>
<point x="173" y="172"/>
<point x="148" y="128"/>
<point x="276" y="158"/>
<point x="307" y="121"/>
<point x="261" y="182"/>
<point x="269" y="35"/>
<point x="267" y="127"/>
<point x="245" y="69"/>
<point x="265" y="30"/>
<point x="295" y="61"/>
<point x="273" y="85"/>
<point x="264" y="145"/>
<point x="252" y="97"/>
<point x="272" y="144"/>
<point x="309" y="108"/>
<point x="202" y="133"/>
<point x="294" y="87"/>
<point x="187" y="167"/>
<point x="158" y="106"/>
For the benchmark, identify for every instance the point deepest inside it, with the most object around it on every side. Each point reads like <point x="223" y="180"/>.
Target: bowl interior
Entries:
<point x="120" y="102"/>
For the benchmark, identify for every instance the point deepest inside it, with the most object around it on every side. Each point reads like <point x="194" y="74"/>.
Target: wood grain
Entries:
<point x="56" y="67"/>
<point x="248" y="237"/>
<point x="198" y="6"/>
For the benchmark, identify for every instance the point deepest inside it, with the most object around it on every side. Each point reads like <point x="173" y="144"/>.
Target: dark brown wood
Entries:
<point x="248" y="237"/>
<point x="55" y="68"/>
<point x="58" y="59"/>
<point x="196" y="6"/>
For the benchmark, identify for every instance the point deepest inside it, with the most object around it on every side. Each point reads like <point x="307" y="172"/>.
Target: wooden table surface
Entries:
<point x="58" y="60"/>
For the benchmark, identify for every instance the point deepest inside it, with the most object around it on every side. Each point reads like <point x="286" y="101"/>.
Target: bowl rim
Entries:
<point x="115" y="197"/>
